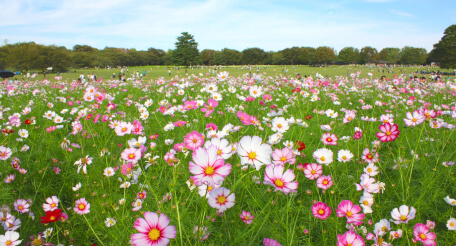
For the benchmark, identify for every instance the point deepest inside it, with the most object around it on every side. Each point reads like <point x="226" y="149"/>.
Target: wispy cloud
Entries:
<point x="401" y="13"/>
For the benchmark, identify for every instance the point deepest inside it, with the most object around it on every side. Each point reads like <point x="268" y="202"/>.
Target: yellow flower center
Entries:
<point x="195" y="140"/>
<point x="283" y="158"/>
<point x="219" y="152"/>
<point x="321" y="211"/>
<point x="349" y="119"/>
<point x="325" y="182"/>
<point x="81" y="206"/>
<point x="403" y="217"/>
<point x="52" y="218"/>
<point x="388" y="133"/>
<point x="209" y="171"/>
<point x="366" y="202"/>
<point x="349" y="213"/>
<point x="8" y="242"/>
<point x="414" y="119"/>
<point x="221" y="200"/>
<point x="313" y="172"/>
<point x="252" y="155"/>
<point x="20" y="207"/>
<point x="369" y="170"/>
<point x="131" y="156"/>
<point x="322" y="158"/>
<point x="328" y="139"/>
<point x="278" y="183"/>
<point x="154" y="234"/>
<point x="53" y="205"/>
<point x="422" y="236"/>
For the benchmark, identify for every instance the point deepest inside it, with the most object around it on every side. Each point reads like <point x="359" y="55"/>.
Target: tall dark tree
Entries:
<point x="253" y="56"/>
<point x="227" y="57"/>
<point x="324" y="54"/>
<point x="306" y="55"/>
<point x="444" y="51"/>
<point x="348" y="55"/>
<point x="392" y="55"/>
<point x="207" y="56"/>
<point x="291" y="55"/>
<point x="186" y="52"/>
<point x="412" y="55"/>
<point x="369" y="54"/>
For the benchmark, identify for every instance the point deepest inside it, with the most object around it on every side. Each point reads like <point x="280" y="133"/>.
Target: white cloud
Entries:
<point x="401" y="13"/>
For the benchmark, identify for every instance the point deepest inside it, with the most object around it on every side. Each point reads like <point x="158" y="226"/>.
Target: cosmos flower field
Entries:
<point x="225" y="160"/>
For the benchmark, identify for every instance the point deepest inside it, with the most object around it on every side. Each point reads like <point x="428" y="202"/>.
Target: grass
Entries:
<point x="410" y="167"/>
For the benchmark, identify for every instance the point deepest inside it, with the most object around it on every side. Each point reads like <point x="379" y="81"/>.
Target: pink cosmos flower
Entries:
<point x="245" y="118"/>
<point x="389" y="132"/>
<point x="247" y="217"/>
<point x="209" y="107"/>
<point x="414" y="119"/>
<point x="349" y="116"/>
<point x="131" y="155"/>
<point x="368" y="184"/>
<point x="5" y="153"/>
<point x="321" y="210"/>
<point x="123" y="128"/>
<point x="422" y="234"/>
<point x="285" y="155"/>
<point x="313" y="170"/>
<point x="324" y="182"/>
<point x="403" y="215"/>
<point x="253" y="152"/>
<point x="193" y="140"/>
<point x="179" y="123"/>
<point x="52" y="203"/>
<point x="15" y="121"/>
<point x="329" y="139"/>
<point x="154" y="230"/>
<point x="428" y="113"/>
<point x="188" y="105"/>
<point x="221" y="199"/>
<point x="271" y="242"/>
<point x="370" y="157"/>
<point x="211" y="126"/>
<point x="350" y="239"/>
<point x="275" y="176"/>
<point x="351" y="212"/>
<point x="21" y="206"/>
<point x="207" y="168"/>
<point x="82" y="206"/>
<point x="127" y="168"/>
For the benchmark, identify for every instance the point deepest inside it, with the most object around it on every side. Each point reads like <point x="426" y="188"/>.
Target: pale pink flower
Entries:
<point x="275" y="176"/>
<point x="423" y="234"/>
<point x="350" y="239"/>
<point x="247" y="217"/>
<point x="329" y="139"/>
<point x="351" y="212"/>
<point x="82" y="206"/>
<point x="313" y="170"/>
<point x="193" y="140"/>
<point x="285" y="155"/>
<point x="403" y="215"/>
<point x="131" y="155"/>
<point x="52" y="203"/>
<point x="21" y="206"/>
<point x="154" y="230"/>
<point x="221" y="199"/>
<point x="207" y="168"/>
<point x="324" y="182"/>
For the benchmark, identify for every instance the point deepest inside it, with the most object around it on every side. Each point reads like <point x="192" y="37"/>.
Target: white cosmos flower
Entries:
<point x="253" y="152"/>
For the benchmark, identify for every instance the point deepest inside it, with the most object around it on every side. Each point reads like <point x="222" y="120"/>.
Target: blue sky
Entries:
<point x="235" y="24"/>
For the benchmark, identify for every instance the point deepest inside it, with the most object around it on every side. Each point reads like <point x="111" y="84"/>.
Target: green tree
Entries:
<point x="253" y="56"/>
<point x="369" y="54"/>
<point x="291" y="55"/>
<point x="4" y="53"/>
<point x="444" y="51"/>
<point x="324" y="55"/>
<point x="392" y="55"/>
<point x="57" y="57"/>
<point x="306" y="55"/>
<point x="155" y="56"/>
<point x="278" y="58"/>
<point x="186" y="52"/>
<point x="83" y="48"/>
<point x="227" y="57"/>
<point x="348" y="55"/>
<point x="412" y="55"/>
<point x="207" y="56"/>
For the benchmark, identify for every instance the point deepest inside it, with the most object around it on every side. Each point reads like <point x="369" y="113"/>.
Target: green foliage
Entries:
<point x="348" y="55"/>
<point x="324" y="54"/>
<point x="186" y="52"/>
<point x="253" y="56"/>
<point x="368" y="55"/>
<point x="227" y="57"/>
<point x="391" y="55"/>
<point x="207" y="56"/>
<point x="411" y="55"/>
<point x="444" y="51"/>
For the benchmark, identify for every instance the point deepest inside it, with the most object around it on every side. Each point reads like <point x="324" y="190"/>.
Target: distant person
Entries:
<point x="169" y="72"/>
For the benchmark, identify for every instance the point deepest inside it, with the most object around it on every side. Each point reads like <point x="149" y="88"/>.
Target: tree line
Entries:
<point x="31" y="56"/>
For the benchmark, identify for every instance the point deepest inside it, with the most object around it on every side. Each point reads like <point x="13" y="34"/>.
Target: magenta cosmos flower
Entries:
<point x="283" y="156"/>
<point x="350" y="238"/>
<point x="313" y="170"/>
<point x="347" y="209"/>
<point x="207" y="168"/>
<point x="422" y="233"/>
<point x="271" y="242"/>
<point x="209" y="107"/>
<point x="221" y="199"/>
<point x="321" y="210"/>
<point x="82" y="206"/>
<point x="153" y="230"/>
<point x="275" y="176"/>
<point x="388" y="132"/>
<point x="193" y="140"/>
